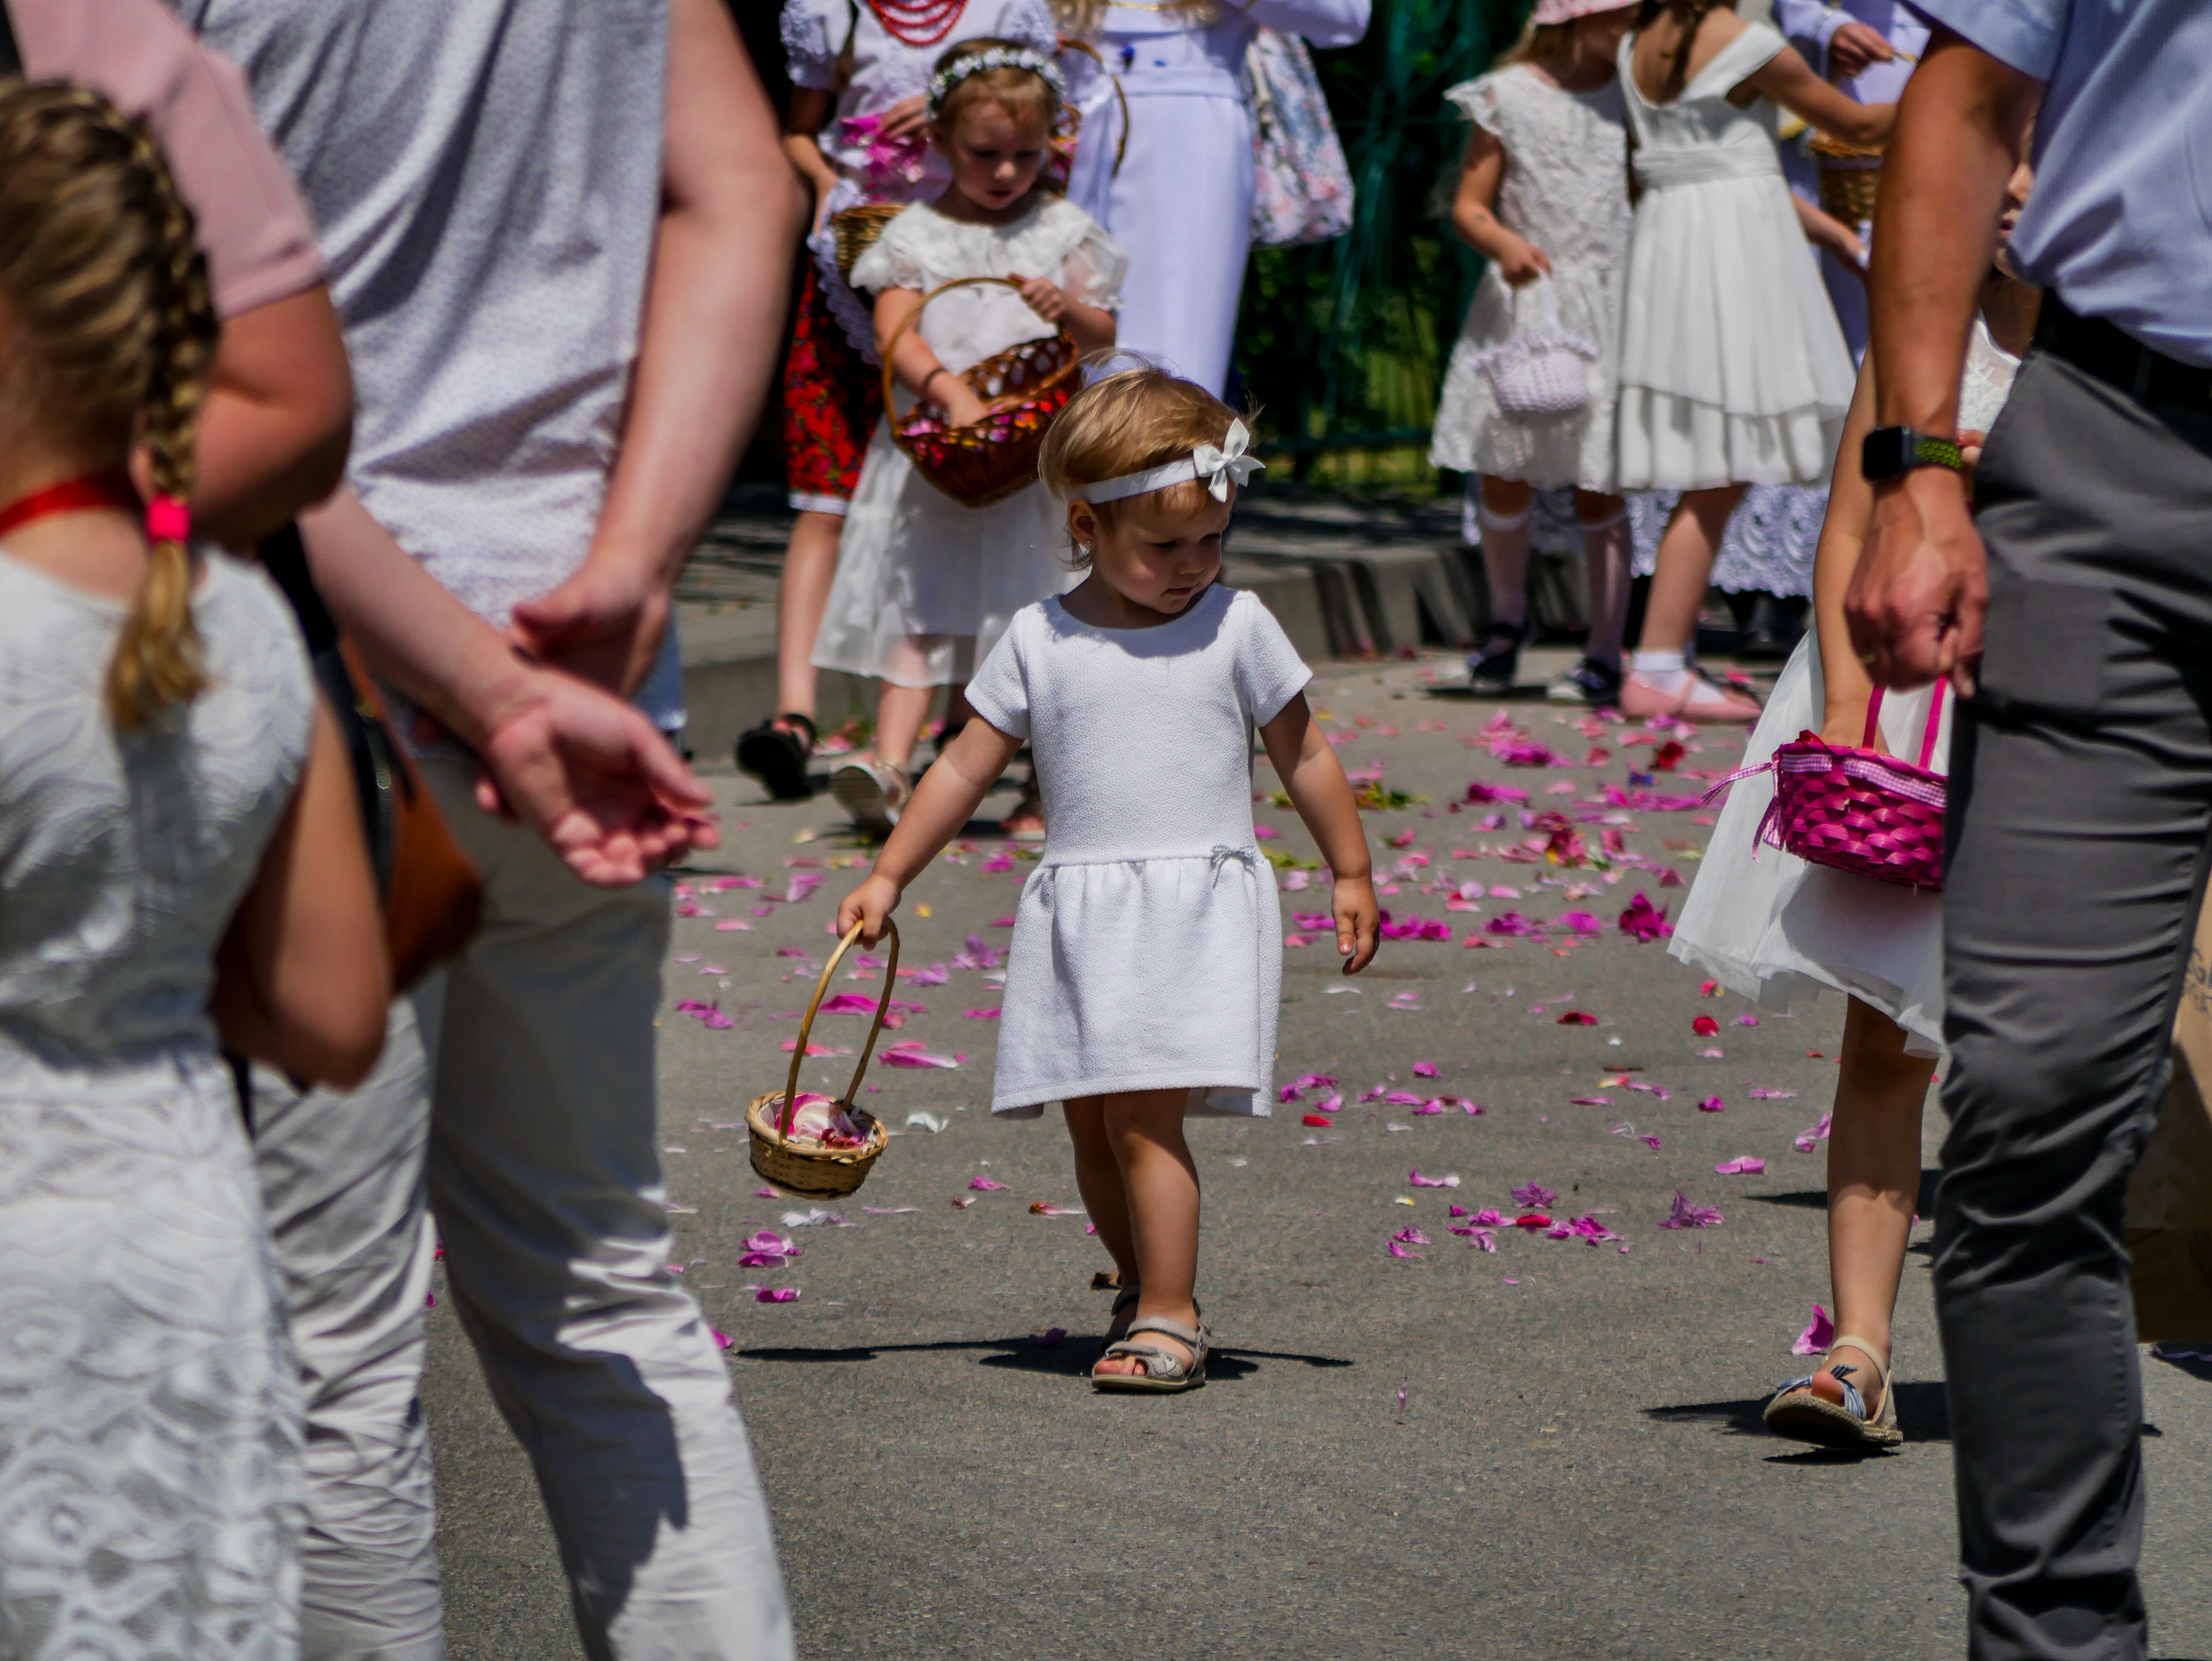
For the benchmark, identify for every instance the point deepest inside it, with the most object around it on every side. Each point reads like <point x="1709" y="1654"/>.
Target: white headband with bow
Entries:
<point x="1216" y="468"/>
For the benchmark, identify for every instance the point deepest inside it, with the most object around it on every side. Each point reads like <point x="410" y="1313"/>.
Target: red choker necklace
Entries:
<point x="917" y="22"/>
<point x="72" y="496"/>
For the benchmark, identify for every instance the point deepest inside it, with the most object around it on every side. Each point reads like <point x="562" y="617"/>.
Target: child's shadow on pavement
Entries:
<point x="1070" y="1358"/>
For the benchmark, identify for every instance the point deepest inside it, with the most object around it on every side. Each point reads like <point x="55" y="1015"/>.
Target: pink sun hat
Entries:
<point x="1565" y="11"/>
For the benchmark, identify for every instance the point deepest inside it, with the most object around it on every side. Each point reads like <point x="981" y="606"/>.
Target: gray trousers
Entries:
<point x="2080" y="806"/>
<point x="540" y="1165"/>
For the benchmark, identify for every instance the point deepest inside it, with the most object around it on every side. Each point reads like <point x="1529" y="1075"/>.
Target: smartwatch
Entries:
<point x="1893" y="451"/>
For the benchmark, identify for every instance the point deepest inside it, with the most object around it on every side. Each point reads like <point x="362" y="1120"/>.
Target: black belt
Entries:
<point x="2117" y="358"/>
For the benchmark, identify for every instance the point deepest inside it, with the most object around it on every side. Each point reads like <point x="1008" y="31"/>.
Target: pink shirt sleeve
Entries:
<point x="254" y="227"/>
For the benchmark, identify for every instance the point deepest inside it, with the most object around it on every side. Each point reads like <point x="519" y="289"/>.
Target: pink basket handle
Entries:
<point x="1927" y="733"/>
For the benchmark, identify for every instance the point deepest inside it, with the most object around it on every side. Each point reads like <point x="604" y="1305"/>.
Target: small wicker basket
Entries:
<point x="1850" y="178"/>
<point x="1027" y="386"/>
<point x="857" y="228"/>
<point x="812" y="1170"/>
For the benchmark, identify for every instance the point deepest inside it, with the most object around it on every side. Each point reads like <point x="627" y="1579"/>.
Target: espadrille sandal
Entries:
<point x="1797" y="1412"/>
<point x="1164" y="1373"/>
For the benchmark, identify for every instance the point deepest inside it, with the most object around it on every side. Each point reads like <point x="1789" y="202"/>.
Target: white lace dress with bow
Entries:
<point x="925" y="587"/>
<point x="1768" y="925"/>
<point x="1565" y="188"/>
<point x="149" y="1416"/>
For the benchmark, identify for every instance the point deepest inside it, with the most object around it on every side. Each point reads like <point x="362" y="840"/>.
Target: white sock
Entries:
<point x="1665" y="671"/>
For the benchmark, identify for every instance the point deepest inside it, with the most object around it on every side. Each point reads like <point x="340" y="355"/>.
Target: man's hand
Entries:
<point x="870" y="905"/>
<point x="1358" y="922"/>
<point x="594" y="778"/>
<point x="1917" y="600"/>
<point x="604" y="622"/>
<point x="1852" y="48"/>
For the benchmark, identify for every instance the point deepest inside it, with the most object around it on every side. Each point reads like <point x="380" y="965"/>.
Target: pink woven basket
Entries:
<point x="1857" y="810"/>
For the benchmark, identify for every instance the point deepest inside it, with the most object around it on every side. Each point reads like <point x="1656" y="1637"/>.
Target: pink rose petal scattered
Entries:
<point x="776" y="1295"/>
<point x="1712" y="1104"/>
<point x="1685" y="1215"/>
<point x="1744" y="1165"/>
<point x="1415" y="1179"/>
<point x="1818" y="1338"/>
<point x="984" y="1185"/>
<point x="1535" y="1195"/>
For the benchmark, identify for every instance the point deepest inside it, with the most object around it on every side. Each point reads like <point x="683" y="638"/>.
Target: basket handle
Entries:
<point x="891" y="346"/>
<point x="1927" y="733"/>
<point x="807" y="1025"/>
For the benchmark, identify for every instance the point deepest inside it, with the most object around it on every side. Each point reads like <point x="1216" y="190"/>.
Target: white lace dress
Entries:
<point x="886" y="71"/>
<point x="1769" y="925"/>
<point x="925" y="586"/>
<point x="1733" y="368"/>
<point x="1565" y="188"/>
<point x="149" y="1503"/>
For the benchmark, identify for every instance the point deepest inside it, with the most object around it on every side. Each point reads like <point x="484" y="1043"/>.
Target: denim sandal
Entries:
<point x="1801" y="1416"/>
<point x="1164" y="1373"/>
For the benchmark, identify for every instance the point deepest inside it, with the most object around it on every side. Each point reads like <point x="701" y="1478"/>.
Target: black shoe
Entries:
<point x="1774" y="628"/>
<point x="777" y="758"/>
<point x="1588" y="682"/>
<point x="1496" y="669"/>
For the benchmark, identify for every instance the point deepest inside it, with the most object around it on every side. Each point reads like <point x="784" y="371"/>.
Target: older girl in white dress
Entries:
<point x="1728" y="375"/>
<point x="1174" y="184"/>
<point x="924" y="583"/>
<point x="1772" y="926"/>
<point x="167" y="793"/>
<point x="1544" y="195"/>
<point x="1147" y="951"/>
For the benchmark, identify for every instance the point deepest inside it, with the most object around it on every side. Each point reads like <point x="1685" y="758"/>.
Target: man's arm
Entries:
<point x="278" y="418"/>
<point x="581" y="768"/>
<point x="732" y="211"/>
<point x="1916" y="601"/>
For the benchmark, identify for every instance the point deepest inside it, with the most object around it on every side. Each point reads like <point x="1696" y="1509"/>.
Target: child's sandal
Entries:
<point x="1165" y="1373"/>
<point x="1118" y="1319"/>
<point x="1797" y="1412"/>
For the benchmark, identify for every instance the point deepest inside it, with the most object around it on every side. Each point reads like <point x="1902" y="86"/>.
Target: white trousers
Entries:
<point x="538" y="1107"/>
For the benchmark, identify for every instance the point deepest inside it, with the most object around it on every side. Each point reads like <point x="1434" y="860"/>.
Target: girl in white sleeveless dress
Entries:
<point x="1772" y="926"/>
<point x="924" y="584"/>
<point x="1729" y="377"/>
<point x="1544" y="194"/>
<point x="168" y="792"/>
<point x="1147" y="954"/>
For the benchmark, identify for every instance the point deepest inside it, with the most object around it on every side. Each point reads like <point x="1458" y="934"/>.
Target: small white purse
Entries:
<point x="1539" y="371"/>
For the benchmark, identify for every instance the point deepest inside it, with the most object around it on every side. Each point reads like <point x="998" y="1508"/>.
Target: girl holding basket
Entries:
<point x="923" y="581"/>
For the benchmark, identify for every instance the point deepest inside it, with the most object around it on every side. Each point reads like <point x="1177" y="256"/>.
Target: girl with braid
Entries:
<point x="180" y="858"/>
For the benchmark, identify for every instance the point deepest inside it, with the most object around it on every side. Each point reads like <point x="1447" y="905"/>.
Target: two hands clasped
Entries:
<point x="950" y="791"/>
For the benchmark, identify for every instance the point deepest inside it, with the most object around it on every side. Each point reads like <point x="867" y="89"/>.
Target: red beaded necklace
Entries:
<point x="917" y="22"/>
<point x="71" y="495"/>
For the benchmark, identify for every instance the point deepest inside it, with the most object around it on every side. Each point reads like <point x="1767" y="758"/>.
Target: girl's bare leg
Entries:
<point x="1098" y="1179"/>
<point x="1685" y="567"/>
<point x="1873" y="1182"/>
<point x="900" y="712"/>
<point x="1145" y="1130"/>
<point x="802" y="598"/>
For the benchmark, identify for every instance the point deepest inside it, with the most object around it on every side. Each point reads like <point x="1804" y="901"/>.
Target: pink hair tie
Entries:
<point x="168" y="519"/>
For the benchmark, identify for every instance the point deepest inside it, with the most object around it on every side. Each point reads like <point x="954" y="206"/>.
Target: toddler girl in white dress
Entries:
<point x="1147" y="952"/>
<point x="168" y="795"/>
<point x="1544" y="195"/>
<point x="1772" y="926"/>
<point x="924" y="583"/>
<point x="1730" y="375"/>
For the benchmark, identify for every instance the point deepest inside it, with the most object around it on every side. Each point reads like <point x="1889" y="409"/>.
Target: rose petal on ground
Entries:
<point x="1818" y="1338"/>
<point x="1685" y="1215"/>
<point x="1705" y="1026"/>
<point x="1535" y="1195"/>
<point x="1712" y="1104"/>
<point x="984" y="1185"/>
<point x="1418" y="1181"/>
<point x="776" y="1295"/>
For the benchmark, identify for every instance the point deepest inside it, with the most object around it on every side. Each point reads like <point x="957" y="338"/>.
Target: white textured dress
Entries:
<point x="150" y="1502"/>
<point x="1148" y="944"/>
<point x="1733" y="368"/>
<point x="925" y="586"/>
<point x="1180" y="200"/>
<point x="1771" y="926"/>
<point x="1565" y="188"/>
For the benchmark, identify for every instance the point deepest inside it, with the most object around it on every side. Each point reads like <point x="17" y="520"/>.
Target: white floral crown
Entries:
<point x="995" y="57"/>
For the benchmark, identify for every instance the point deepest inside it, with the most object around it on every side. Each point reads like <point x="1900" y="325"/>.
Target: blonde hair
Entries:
<point x="1538" y="41"/>
<point x="103" y="280"/>
<point x="1124" y="423"/>
<point x="1023" y="94"/>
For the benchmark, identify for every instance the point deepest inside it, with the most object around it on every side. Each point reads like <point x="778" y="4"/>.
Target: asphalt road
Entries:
<point x="1551" y="1450"/>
